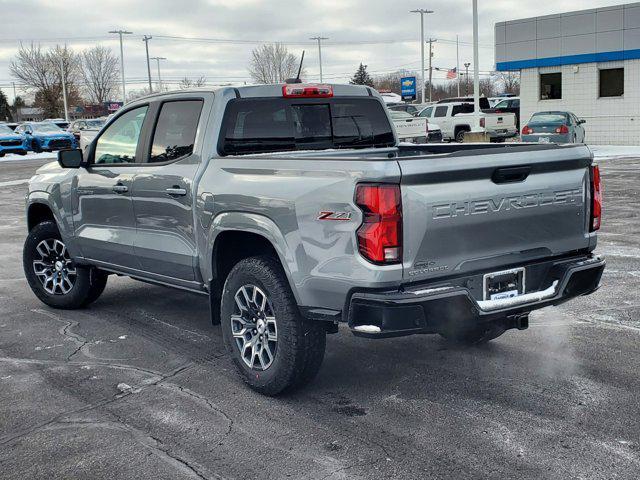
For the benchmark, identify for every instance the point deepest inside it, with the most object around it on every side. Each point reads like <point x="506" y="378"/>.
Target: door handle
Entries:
<point x="119" y="188"/>
<point x="511" y="174"/>
<point x="176" y="191"/>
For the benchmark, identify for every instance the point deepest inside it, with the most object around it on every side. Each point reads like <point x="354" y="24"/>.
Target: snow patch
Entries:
<point x="601" y="152"/>
<point x="29" y="156"/>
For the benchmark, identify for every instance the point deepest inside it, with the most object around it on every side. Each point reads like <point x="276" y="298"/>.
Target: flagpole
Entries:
<point x="458" y="63"/>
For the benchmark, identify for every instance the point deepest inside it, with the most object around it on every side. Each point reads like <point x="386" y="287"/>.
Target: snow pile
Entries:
<point x="30" y="156"/>
<point x="601" y="152"/>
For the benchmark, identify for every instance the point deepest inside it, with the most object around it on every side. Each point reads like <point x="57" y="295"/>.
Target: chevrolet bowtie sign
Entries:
<point x="408" y="88"/>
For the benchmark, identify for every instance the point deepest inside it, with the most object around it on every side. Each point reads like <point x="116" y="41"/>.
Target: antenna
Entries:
<point x="297" y="79"/>
<point x="300" y="68"/>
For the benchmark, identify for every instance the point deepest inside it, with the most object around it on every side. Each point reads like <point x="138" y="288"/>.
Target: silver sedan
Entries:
<point x="554" y="127"/>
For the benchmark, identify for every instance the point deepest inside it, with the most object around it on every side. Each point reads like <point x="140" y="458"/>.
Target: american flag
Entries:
<point x="451" y="74"/>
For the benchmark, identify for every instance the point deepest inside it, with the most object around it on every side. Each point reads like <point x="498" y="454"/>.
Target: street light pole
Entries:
<point x="476" y="68"/>
<point x="319" y="40"/>
<point x="146" y="39"/>
<point x="121" y="33"/>
<point x="157" y="59"/>
<point x="466" y="79"/>
<point x="422" y="12"/>
<point x="431" y="41"/>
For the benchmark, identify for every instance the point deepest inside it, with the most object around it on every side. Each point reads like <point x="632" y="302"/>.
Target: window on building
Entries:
<point x="612" y="82"/>
<point x="550" y="86"/>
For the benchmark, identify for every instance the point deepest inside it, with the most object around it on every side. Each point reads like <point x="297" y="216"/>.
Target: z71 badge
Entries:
<point x="336" y="216"/>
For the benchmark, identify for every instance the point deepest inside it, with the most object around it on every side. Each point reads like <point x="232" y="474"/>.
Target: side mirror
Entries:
<point x="70" y="158"/>
<point x="581" y="121"/>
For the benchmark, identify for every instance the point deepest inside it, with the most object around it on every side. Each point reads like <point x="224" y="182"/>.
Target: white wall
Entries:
<point x="610" y="121"/>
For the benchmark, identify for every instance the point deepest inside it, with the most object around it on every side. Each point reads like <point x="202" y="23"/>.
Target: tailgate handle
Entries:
<point x="511" y="174"/>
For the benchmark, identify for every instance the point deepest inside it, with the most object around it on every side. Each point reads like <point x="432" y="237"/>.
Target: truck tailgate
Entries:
<point x="475" y="211"/>
<point x="499" y="121"/>
<point x="411" y="127"/>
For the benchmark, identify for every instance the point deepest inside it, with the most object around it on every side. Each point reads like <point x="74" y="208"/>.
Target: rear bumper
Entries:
<point x="436" y="307"/>
<point x="507" y="134"/>
<point x="546" y="138"/>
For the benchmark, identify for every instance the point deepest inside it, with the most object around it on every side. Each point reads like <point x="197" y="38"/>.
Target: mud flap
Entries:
<point x="214" y="304"/>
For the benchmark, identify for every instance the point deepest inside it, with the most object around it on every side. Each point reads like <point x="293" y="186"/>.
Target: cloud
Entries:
<point x="345" y="22"/>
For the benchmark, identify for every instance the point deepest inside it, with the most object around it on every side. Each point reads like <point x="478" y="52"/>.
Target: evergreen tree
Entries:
<point x="362" y="77"/>
<point x="5" y="111"/>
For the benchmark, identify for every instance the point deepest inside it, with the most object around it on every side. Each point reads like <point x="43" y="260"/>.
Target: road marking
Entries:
<point x="13" y="183"/>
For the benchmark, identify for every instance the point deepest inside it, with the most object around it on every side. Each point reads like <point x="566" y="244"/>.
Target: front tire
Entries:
<point x="273" y="347"/>
<point x="52" y="274"/>
<point x="35" y="146"/>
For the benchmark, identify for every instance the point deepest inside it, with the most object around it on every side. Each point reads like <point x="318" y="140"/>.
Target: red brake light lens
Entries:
<point x="380" y="235"/>
<point x="482" y="122"/>
<point x="527" y="130"/>
<point x="596" y="198"/>
<point x="307" y="91"/>
<point x="563" y="129"/>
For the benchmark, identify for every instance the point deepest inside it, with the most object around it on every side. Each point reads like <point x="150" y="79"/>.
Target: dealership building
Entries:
<point x="586" y="62"/>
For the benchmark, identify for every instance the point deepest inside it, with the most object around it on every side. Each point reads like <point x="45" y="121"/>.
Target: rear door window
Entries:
<point x="256" y="125"/>
<point x="441" y="111"/>
<point x="175" y="130"/>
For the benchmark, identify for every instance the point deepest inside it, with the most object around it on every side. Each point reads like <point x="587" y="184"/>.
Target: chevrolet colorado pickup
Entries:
<point x="294" y="209"/>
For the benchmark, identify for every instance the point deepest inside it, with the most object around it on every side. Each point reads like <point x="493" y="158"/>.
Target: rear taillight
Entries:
<point x="562" y="129"/>
<point x="527" y="130"/>
<point x="482" y="123"/>
<point x="596" y="198"/>
<point x="307" y="91"/>
<point x="380" y="235"/>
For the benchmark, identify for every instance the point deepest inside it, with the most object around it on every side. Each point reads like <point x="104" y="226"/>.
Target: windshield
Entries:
<point x="503" y="104"/>
<point x="4" y="130"/>
<point x="46" y="128"/>
<point x="95" y="123"/>
<point x="549" y="118"/>
<point x="260" y="125"/>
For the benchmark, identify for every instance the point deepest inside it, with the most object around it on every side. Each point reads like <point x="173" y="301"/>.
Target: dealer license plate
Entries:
<point x="504" y="284"/>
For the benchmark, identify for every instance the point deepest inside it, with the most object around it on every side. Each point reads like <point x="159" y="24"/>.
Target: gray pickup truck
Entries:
<point x="294" y="209"/>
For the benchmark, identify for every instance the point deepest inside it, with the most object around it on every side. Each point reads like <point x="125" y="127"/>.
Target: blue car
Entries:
<point x="12" y="142"/>
<point x="46" y="137"/>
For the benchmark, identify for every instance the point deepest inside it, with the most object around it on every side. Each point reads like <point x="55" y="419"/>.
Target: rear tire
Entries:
<point x="474" y="335"/>
<point x="53" y="276"/>
<point x="460" y="136"/>
<point x="274" y="348"/>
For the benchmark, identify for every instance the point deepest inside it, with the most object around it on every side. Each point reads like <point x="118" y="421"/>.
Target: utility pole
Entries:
<point x="431" y="42"/>
<point x="121" y="33"/>
<point x="458" y="62"/>
<point x="14" y="91"/>
<point x="146" y="39"/>
<point x="64" y="89"/>
<point x="319" y="40"/>
<point x="157" y="59"/>
<point x="466" y="78"/>
<point x="422" y="12"/>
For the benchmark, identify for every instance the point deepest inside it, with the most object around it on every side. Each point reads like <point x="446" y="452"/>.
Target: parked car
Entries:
<point x="493" y="101"/>
<point x="78" y="126"/>
<point x="46" y="137"/>
<point x="456" y="118"/>
<point x="12" y="142"/>
<point x="508" y="105"/>
<point x="409" y="128"/>
<point x="554" y="127"/>
<point x="59" y="122"/>
<point x="294" y="210"/>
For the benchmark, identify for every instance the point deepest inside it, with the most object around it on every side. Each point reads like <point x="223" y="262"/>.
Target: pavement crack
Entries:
<point x="205" y="400"/>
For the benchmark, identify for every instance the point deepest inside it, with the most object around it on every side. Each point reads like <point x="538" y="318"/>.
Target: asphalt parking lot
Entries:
<point x="139" y="386"/>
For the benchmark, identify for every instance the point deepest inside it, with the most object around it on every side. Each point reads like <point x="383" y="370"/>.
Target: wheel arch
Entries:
<point x="235" y="235"/>
<point x="38" y="212"/>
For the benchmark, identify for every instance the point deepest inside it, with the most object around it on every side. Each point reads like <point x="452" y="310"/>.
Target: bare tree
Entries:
<point x="272" y="63"/>
<point x="511" y="82"/>
<point x="135" y="94"/>
<point x="100" y="72"/>
<point x="187" y="83"/>
<point x="40" y="72"/>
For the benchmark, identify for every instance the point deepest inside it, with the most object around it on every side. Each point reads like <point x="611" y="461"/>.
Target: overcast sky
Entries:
<point x="379" y="33"/>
